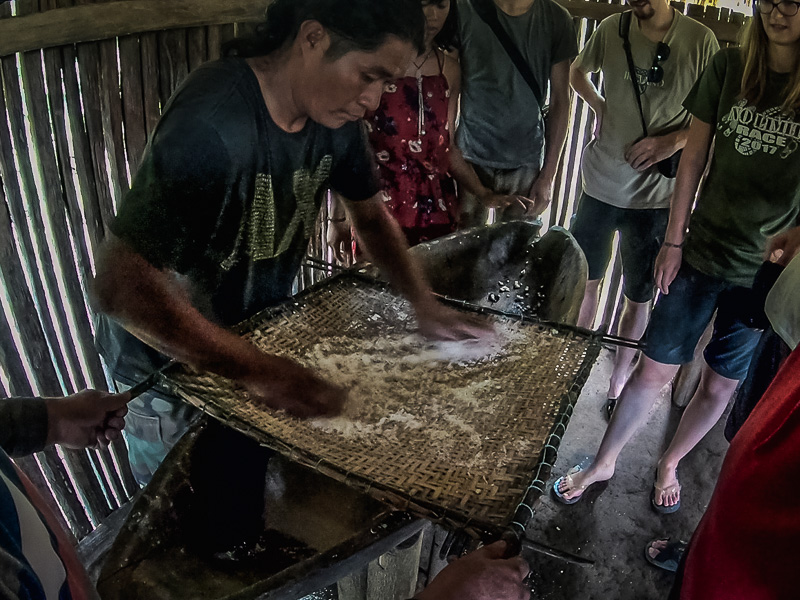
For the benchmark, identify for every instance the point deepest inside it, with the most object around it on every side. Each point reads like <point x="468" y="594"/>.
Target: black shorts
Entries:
<point x="641" y="233"/>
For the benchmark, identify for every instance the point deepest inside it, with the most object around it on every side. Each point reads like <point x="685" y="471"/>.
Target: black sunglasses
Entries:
<point x="786" y="7"/>
<point x="656" y="72"/>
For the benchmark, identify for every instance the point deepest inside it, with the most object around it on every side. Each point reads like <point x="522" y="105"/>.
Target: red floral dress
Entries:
<point x="414" y="168"/>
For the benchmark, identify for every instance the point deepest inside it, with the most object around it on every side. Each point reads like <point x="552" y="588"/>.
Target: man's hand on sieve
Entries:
<point x="283" y="384"/>
<point x="441" y="323"/>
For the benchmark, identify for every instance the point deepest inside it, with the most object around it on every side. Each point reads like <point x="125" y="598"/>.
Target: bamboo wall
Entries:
<point x="74" y="120"/>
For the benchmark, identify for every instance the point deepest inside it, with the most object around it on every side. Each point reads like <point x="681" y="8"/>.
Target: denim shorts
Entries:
<point x="680" y="317"/>
<point x="641" y="233"/>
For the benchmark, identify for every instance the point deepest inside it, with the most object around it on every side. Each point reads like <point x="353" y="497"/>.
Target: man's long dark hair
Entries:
<point x="352" y="24"/>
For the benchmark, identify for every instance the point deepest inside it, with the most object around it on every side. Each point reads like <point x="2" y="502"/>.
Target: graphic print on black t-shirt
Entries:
<point x="228" y="200"/>
<point x="768" y="131"/>
<point x="263" y="243"/>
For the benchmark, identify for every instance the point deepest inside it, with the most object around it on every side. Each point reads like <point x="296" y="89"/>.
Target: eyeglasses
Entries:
<point x="656" y="72"/>
<point x="787" y="8"/>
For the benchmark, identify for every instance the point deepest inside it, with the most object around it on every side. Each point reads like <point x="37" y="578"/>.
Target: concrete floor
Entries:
<point x="612" y="525"/>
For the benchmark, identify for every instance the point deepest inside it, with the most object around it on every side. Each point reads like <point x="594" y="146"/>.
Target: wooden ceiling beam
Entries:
<point x="92" y="22"/>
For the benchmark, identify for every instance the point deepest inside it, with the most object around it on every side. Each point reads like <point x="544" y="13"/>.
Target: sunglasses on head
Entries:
<point x="656" y="72"/>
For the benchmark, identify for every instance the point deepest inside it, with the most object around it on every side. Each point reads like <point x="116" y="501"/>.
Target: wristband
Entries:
<point x="335" y="220"/>
<point x="671" y="245"/>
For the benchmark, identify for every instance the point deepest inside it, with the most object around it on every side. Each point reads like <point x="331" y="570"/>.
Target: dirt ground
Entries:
<point x="612" y="524"/>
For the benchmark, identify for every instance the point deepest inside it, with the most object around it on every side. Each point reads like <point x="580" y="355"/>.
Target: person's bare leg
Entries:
<point x="634" y="404"/>
<point x="701" y="414"/>
<point x="632" y="324"/>
<point x="589" y="304"/>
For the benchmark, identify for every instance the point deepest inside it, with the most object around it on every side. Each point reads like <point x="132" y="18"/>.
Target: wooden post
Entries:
<point x="393" y="576"/>
<point x="130" y="65"/>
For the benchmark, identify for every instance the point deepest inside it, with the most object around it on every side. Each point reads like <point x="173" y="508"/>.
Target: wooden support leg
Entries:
<point x="393" y="576"/>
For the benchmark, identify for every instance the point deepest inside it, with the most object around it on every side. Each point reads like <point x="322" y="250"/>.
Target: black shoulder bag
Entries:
<point x="487" y="11"/>
<point x="669" y="166"/>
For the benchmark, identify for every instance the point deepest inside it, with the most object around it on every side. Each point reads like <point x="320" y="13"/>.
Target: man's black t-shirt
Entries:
<point x="227" y="199"/>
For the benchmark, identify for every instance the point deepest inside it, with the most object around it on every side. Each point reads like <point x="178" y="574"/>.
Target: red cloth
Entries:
<point x="748" y="542"/>
<point x="414" y="169"/>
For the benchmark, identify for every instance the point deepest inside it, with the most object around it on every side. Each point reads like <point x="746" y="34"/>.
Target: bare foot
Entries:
<point x="667" y="486"/>
<point x="575" y="482"/>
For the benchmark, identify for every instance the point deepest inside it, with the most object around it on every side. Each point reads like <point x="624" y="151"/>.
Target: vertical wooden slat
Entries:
<point x="24" y="307"/>
<point x="53" y="204"/>
<point x="52" y="167"/>
<point x="173" y="62"/>
<point x="226" y="34"/>
<point x="90" y="81"/>
<point x="214" y="42"/>
<point x="54" y="67"/>
<point x="150" y="81"/>
<point x="38" y="355"/>
<point x="90" y="84"/>
<point x="50" y="207"/>
<point x="9" y="353"/>
<point x="88" y="181"/>
<point x="130" y="58"/>
<point x="196" y="47"/>
<point x="111" y="103"/>
<point x="16" y="120"/>
<point x="117" y="483"/>
<point x="695" y="10"/>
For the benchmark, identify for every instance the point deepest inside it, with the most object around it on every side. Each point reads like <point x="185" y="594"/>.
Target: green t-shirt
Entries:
<point x="752" y="190"/>
<point x="606" y="174"/>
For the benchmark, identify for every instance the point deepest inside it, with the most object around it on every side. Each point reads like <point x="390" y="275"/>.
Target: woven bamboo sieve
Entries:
<point x="454" y="440"/>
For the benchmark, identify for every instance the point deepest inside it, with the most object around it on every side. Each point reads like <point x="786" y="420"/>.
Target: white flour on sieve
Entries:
<point x="400" y="382"/>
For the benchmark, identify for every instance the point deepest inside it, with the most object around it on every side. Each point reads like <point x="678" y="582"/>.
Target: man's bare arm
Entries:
<point x="555" y="135"/>
<point x="154" y="306"/>
<point x="384" y="242"/>
<point x="585" y="88"/>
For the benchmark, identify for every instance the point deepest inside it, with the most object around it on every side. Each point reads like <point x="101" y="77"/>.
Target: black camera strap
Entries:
<point x="487" y="11"/>
<point x="624" y="32"/>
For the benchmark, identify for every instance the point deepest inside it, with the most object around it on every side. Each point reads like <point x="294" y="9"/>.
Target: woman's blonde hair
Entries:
<point x="754" y="79"/>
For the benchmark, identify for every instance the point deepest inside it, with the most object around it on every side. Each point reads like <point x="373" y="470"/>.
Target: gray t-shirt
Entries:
<point x="500" y="124"/>
<point x="606" y="174"/>
<point x="782" y="307"/>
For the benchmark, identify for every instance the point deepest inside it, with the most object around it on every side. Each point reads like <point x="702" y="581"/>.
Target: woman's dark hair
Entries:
<point x="352" y="24"/>
<point x="447" y="38"/>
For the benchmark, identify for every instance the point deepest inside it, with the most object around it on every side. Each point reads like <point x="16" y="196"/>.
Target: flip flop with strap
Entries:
<point x="660" y="508"/>
<point x="568" y="478"/>
<point x="669" y="557"/>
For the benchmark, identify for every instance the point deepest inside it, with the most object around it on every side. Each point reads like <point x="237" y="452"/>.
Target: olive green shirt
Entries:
<point x="752" y="191"/>
<point x="606" y="174"/>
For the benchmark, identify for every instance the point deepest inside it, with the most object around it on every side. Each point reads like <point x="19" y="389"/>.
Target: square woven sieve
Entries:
<point x="463" y="439"/>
